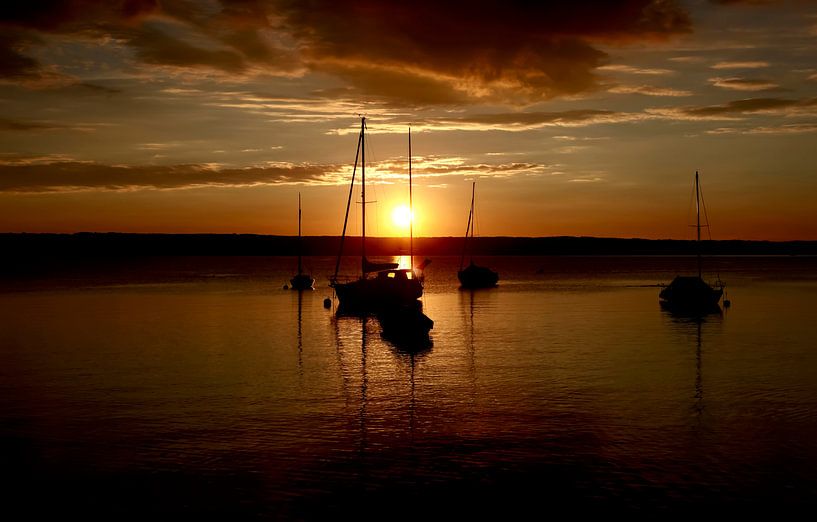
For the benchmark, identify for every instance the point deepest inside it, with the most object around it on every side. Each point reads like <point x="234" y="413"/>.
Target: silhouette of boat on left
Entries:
<point x="382" y="289"/>
<point x="301" y="281"/>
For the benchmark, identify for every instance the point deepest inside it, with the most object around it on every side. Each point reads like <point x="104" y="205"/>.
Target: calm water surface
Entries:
<point x="198" y="386"/>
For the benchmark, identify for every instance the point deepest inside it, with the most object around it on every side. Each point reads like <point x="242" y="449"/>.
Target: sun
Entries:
<point x="401" y="216"/>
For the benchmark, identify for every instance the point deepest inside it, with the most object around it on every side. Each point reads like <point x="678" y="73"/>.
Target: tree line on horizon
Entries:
<point x="116" y="244"/>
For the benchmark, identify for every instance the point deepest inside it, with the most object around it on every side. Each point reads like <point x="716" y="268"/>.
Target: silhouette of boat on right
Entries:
<point x="474" y="276"/>
<point x="691" y="294"/>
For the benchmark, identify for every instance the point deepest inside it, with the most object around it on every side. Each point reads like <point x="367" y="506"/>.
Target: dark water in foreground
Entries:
<point x="197" y="386"/>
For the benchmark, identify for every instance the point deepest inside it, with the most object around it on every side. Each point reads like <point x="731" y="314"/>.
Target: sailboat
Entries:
<point x="474" y="276"/>
<point x="692" y="293"/>
<point x="380" y="286"/>
<point x="301" y="281"/>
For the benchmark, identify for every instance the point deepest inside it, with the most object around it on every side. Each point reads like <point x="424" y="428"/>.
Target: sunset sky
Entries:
<point x="577" y="118"/>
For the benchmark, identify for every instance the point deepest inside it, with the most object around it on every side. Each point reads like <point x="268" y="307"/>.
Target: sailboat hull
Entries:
<point x="475" y="276"/>
<point x="690" y="294"/>
<point x="302" y="282"/>
<point x="388" y="289"/>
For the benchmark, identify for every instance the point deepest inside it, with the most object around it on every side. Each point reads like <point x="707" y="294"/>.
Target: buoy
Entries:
<point x="727" y="303"/>
<point x="327" y="303"/>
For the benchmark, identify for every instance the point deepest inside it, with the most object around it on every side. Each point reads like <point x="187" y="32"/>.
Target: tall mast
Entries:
<point x="299" y="233"/>
<point x="348" y="206"/>
<point x="363" y="194"/>
<point x="411" y="212"/>
<point x="698" y="224"/>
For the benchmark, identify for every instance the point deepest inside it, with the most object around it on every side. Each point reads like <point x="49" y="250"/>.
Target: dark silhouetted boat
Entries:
<point x="691" y="293"/>
<point x="301" y="281"/>
<point x="380" y="285"/>
<point x="474" y="276"/>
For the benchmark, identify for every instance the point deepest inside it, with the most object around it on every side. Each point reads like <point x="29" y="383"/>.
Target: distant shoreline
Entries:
<point x="85" y="244"/>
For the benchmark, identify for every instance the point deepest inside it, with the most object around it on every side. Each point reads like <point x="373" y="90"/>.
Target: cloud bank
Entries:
<point x="420" y="52"/>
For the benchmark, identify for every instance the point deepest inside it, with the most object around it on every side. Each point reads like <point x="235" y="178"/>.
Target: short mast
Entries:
<point x="473" y="217"/>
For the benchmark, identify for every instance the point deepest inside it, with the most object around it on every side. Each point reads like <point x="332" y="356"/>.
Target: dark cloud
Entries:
<point x="743" y="2"/>
<point x="72" y="176"/>
<point x="158" y="47"/>
<point x="481" y="50"/>
<point x="7" y="124"/>
<point x="422" y="51"/>
<point x="394" y="84"/>
<point x="130" y="21"/>
<point x="14" y="63"/>
<point x="73" y="15"/>
<point x="98" y="89"/>
<point x="750" y="105"/>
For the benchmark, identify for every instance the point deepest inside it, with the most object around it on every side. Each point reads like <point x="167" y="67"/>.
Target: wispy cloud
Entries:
<point x="788" y="129"/>
<point x="294" y="109"/>
<point x="580" y="138"/>
<point x="687" y="59"/>
<point x="504" y="121"/>
<point x="572" y="149"/>
<point x="78" y="176"/>
<point x="744" y="84"/>
<point x="15" y="159"/>
<point x="586" y="179"/>
<point x="735" y="109"/>
<point x="437" y="166"/>
<point x="649" y="90"/>
<point x="7" y="124"/>
<point x="740" y="65"/>
<point x="635" y="70"/>
<point x="62" y="174"/>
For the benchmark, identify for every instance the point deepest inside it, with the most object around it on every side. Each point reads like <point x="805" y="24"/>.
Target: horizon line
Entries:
<point x="330" y="236"/>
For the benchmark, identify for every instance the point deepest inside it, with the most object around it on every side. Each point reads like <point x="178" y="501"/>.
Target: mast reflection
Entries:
<point x="688" y="324"/>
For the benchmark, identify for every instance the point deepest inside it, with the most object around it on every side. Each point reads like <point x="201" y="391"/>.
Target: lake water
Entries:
<point x="199" y="387"/>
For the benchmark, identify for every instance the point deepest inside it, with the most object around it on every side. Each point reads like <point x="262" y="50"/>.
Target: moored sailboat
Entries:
<point x="691" y="293"/>
<point x="380" y="285"/>
<point x="474" y="276"/>
<point x="301" y="281"/>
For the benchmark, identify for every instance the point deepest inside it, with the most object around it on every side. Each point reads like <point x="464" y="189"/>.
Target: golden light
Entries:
<point x="401" y="216"/>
